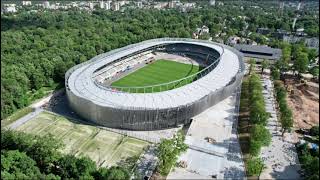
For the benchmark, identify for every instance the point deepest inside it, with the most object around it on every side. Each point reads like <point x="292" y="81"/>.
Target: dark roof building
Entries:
<point x="259" y="52"/>
<point x="263" y="31"/>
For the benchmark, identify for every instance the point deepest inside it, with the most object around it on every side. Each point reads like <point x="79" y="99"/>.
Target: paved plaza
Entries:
<point x="219" y="159"/>
<point x="280" y="156"/>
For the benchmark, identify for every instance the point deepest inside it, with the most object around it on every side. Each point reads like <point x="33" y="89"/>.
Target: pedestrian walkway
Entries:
<point x="147" y="162"/>
<point x="25" y="118"/>
<point x="280" y="156"/>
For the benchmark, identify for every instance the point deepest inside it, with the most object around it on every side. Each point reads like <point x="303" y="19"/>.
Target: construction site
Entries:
<point x="303" y="99"/>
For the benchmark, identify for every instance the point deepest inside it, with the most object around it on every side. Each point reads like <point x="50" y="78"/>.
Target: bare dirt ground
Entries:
<point x="303" y="99"/>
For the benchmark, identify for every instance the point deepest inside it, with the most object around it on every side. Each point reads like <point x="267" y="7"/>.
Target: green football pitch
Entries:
<point x="161" y="71"/>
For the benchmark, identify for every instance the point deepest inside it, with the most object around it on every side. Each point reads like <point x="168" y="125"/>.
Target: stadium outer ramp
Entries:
<point x="152" y="111"/>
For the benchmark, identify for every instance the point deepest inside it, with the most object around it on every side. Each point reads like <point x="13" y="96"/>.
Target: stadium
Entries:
<point x="154" y="84"/>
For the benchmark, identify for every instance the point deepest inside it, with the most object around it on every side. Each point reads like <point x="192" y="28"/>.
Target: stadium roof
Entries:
<point x="81" y="83"/>
<point x="261" y="52"/>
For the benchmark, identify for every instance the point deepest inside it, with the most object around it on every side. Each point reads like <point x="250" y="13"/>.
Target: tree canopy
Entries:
<point x="25" y="156"/>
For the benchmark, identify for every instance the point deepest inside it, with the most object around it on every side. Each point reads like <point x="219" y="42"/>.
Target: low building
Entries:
<point x="220" y="3"/>
<point x="26" y="3"/>
<point x="205" y="29"/>
<point x="108" y="5"/>
<point x="122" y="3"/>
<point x="300" y="32"/>
<point x="263" y="31"/>
<point x="9" y="8"/>
<point x="312" y="43"/>
<point x="280" y="33"/>
<point x="309" y="42"/>
<point x="200" y="31"/>
<point x="101" y="5"/>
<point x="139" y="4"/>
<point x="259" y="53"/>
<point x="46" y="4"/>
<point x="239" y="40"/>
<point x="91" y="5"/>
<point x="160" y="5"/>
<point x="173" y="4"/>
<point x="116" y="6"/>
<point x="233" y="40"/>
<point x="212" y="2"/>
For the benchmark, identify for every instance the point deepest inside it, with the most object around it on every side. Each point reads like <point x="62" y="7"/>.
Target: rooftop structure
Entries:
<point x="259" y="52"/>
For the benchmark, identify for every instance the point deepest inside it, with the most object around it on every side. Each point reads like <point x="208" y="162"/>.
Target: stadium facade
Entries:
<point x="112" y="107"/>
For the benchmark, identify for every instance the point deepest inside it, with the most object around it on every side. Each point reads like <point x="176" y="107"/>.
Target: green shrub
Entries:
<point x="254" y="166"/>
<point x="255" y="147"/>
<point x="261" y="134"/>
<point x="275" y="74"/>
<point x="168" y="152"/>
<point x="314" y="131"/>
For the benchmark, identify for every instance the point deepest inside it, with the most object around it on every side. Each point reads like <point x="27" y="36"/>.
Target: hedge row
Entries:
<point x="285" y="112"/>
<point x="259" y="135"/>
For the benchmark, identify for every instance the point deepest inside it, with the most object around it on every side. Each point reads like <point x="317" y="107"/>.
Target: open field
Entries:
<point x="161" y="71"/>
<point x="104" y="147"/>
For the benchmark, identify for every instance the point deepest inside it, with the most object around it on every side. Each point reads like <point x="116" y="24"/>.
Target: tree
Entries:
<point x="25" y="156"/>
<point x="252" y="62"/>
<point x="101" y="173"/>
<point x="45" y="151"/>
<point x="314" y="131"/>
<point x="275" y="74"/>
<point x="261" y="134"/>
<point x="118" y="173"/>
<point x="312" y="54"/>
<point x="315" y="71"/>
<point x="286" y="119"/>
<point x="258" y="114"/>
<point x="254" y="147"/>
<point x="254" y="166"/>
<point x="17" y="165"/>
<point x="264" y="65"/>
<point x="281" y="94"/>
<point x="71" y="167"/>
<point x="168" y="152"/>
<point x="301" y="62"/>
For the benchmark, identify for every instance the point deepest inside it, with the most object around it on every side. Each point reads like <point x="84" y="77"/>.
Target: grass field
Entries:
<point x="104" y="147"/>
<point x="161" y="71"/>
